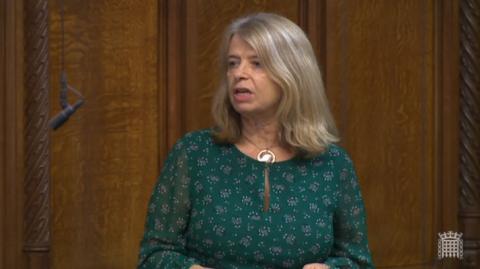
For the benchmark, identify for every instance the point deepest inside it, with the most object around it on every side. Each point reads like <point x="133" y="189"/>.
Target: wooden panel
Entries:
<point x="205" y="22"/>
<point x="447" y="123"/>
<point x="105" y="159"/>
<point x="313" y="21"/>
<point x="3" y="92"/>
<point x="380" y="81"/>
<point x="175" y="66"/>
<point x="11" y="135"/>
<point x="2" y="125"/>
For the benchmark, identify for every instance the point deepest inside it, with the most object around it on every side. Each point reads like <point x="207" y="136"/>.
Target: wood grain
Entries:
<point x="2" y="128"/>
<point x="312" y="20"/>
<point x="12" y="137"/>
<point x="175" y="67"/>
<point x="380" y="83"/>
<point x="105" y="159"/>
<point x="3" y="144"/>
<point x="447" y="119"/>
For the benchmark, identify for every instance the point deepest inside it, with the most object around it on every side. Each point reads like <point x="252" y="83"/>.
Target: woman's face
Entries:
<point x="252" y="92"/>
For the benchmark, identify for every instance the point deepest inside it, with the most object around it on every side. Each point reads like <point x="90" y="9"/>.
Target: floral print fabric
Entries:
<point x="207" y="209"/>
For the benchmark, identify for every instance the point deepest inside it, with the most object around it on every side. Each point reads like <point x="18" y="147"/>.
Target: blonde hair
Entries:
<point x="303" y="113"/>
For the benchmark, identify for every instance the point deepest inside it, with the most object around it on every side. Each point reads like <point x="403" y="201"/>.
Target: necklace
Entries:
<point x="265" y="155"/>
<point x="268" y="157"/>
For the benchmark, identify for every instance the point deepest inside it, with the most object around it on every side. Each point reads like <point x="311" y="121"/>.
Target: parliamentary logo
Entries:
<point x="450" y="245"/>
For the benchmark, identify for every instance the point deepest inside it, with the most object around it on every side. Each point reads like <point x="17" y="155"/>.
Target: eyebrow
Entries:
<point x="238" y="57"/>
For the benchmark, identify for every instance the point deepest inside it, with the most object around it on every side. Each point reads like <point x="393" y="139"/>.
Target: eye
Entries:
<point x="256" y="64"/>
<point x="232" y="64"/>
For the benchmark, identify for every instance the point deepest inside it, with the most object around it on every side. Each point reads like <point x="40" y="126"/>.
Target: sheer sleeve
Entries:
<point x="163" y="244"/>
<point x="350" y="249"/>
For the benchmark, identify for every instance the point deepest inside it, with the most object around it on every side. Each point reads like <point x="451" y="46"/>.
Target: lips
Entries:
<point x="241" y="94"/>
<point x="241" y="91"/>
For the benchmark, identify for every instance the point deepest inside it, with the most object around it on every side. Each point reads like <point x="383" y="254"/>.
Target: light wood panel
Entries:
<point x="11" y="134"/>
<point x="381" y="81"/>
<point x="106" y="157"/>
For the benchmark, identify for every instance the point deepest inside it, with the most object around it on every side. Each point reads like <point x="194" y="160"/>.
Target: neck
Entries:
<point x="261" y="132"/>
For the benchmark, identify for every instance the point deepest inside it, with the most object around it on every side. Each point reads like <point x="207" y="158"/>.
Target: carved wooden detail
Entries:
<point x="470" y="131"/>
<point x="37" y="173"/>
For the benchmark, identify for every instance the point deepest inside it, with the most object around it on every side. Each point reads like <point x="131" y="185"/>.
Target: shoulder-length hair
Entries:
<point x="285" y="52"/>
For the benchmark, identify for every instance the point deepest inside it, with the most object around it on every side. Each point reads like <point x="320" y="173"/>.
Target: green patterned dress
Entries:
<point x="207" y="209"/>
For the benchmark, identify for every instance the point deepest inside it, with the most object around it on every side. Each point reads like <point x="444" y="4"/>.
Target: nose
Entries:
<point x="240" y="72"/>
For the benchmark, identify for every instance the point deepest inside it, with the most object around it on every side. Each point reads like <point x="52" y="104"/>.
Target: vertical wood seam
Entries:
<point x="176" y="70"/>
<point x="162" y="83"/>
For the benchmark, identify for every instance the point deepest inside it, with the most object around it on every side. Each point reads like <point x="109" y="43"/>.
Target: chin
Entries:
<point x="244" y="110"/>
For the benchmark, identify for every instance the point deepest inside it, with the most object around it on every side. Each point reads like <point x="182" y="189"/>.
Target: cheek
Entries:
<point x="227" y="82"/>
<point x="230" y="80"/>
<point x="278" y="99"/>
<point x="277" y="92"/>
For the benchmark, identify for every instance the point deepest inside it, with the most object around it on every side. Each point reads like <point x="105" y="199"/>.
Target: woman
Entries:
<point x="267" y="187"/>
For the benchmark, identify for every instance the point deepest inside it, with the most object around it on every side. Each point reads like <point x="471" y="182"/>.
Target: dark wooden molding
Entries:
<point x="162" y="72"/>
<point x="312" y="19"/>
<point x="470" y="131"/>
<point x="36" y="243"/>
<point x="175" y="69"/>
<point x="447" y="107"/>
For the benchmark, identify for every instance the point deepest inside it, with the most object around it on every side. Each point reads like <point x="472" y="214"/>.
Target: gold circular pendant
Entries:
<point x="266" y="156"/>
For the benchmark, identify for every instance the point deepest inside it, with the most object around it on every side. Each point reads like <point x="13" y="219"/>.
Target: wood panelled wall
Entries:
<point x="380" y="80"/>
<point x="106" y="157"/>
<point x="148" y="73"/>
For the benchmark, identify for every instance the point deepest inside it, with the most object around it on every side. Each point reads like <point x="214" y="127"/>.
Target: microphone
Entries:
<point x="63" y="115"/>
<point x="67" y="109"/>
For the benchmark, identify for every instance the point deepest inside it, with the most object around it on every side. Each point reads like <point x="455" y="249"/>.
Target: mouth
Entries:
<point x="241" y="91"/>
<point x="241" y="95"/>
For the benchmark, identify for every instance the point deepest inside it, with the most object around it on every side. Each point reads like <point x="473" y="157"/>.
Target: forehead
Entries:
<point x="238" y="46"/>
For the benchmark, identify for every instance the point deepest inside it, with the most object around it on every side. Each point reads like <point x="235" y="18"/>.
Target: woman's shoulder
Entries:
<point x="199" y="135"/>
<point x="197" y="138"/>
<point x="336" y="153"/>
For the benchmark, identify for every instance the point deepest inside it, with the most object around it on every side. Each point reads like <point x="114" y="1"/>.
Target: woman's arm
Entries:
<point x="163" y="244"/>
<point x="350" y="249"/>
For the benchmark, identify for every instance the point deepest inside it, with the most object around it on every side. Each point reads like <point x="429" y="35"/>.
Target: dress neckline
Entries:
<point x="251" y="159"/>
